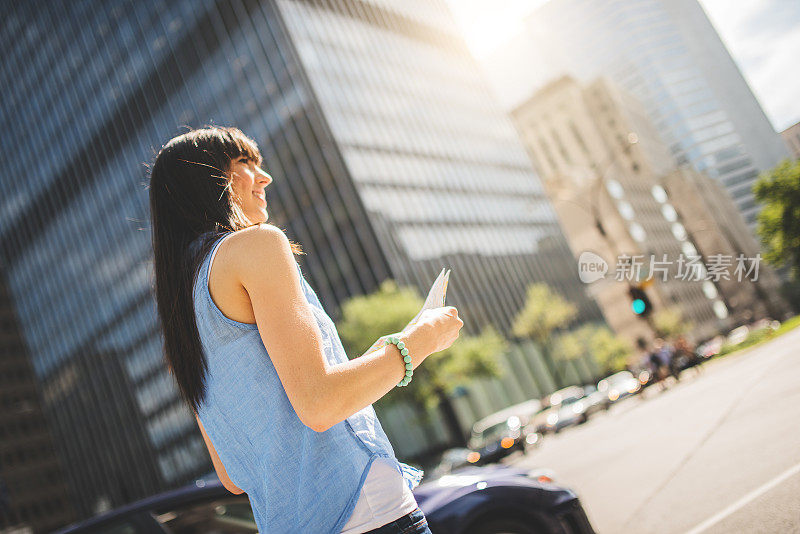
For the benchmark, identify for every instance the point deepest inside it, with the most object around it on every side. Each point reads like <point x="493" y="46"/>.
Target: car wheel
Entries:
<point x="502" y="525"/>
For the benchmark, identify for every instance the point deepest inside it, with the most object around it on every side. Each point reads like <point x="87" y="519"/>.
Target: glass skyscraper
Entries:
<point x="668" y="55"/>
<point x="389" y="159"/>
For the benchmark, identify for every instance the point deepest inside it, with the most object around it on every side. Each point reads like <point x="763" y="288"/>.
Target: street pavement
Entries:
<point x="717" y="452"/>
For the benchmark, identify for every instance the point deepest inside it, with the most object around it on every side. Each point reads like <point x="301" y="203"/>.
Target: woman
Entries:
<point x="287" y="417"/>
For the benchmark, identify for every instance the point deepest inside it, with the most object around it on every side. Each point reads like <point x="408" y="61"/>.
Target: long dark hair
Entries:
<point x="190" y="196"/>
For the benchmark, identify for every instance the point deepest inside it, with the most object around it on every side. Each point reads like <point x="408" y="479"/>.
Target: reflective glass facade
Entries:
<point x="389" y="160"/>
<point x="33" y="490"/>
<point x="437" y="165"/>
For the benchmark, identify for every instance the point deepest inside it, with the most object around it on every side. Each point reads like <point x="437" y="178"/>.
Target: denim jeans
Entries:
<point x="414" y="522"/>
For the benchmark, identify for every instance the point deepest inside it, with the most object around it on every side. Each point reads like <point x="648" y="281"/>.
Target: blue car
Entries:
<point x="472" y="500"/>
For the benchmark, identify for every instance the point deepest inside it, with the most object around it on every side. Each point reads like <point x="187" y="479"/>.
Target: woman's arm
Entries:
<point x="218" y="467"/>
<point x="322" y="396"/>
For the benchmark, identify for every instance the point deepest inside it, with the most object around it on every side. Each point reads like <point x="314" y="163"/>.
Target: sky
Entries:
<point x="763" y="37"/>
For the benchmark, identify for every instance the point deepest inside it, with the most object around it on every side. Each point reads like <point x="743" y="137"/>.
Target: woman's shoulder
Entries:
<point x="257" y="247"/>
<point x="256" y="237"/>
<point x="238" y="270"/>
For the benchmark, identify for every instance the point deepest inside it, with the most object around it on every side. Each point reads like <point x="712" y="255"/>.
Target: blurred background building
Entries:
<point x="389" y="156"/>
<point x="617" y="190"/>
<point x="713" y="225"/>
<point x="667" y="54"/>
<point x="792" y="137"/>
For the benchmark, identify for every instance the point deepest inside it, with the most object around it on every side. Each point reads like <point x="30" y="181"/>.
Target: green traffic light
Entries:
<point x="638" y="306"/>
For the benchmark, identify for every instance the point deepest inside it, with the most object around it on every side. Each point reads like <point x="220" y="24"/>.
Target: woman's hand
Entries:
<point x="435" y="330"/>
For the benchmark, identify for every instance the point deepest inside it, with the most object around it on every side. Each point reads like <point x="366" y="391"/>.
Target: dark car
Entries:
<point x="501" y="433"/>
<point x="500" y="498"/>
<point x="472" y="500"/>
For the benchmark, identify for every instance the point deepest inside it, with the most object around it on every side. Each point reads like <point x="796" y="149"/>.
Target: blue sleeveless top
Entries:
<point x="297" y="479"/>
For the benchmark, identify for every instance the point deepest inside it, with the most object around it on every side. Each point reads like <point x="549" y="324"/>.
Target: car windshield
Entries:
<point x="455" y="455"/>
<point x="225" y="515"/>
<point x="491" y="433"/>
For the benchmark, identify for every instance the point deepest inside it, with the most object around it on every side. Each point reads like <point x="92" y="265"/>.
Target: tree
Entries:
<point x="544" y="312"/>
<point x="366" y="318"/>
<point x="778" y="190"/>
<point x="669" y="323"/>
<point x="610" y="351"/>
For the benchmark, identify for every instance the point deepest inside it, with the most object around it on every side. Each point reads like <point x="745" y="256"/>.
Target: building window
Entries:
<point x="561" y="147"/>
<point x="547" y="153"/>
<point x="579" y="138"/>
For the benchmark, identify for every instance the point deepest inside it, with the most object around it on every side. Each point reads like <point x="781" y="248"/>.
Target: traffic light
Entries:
<point x="640" y="303"/>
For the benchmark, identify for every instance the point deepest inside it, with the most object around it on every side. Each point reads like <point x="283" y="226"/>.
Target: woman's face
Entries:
<point x="248" y="182"/>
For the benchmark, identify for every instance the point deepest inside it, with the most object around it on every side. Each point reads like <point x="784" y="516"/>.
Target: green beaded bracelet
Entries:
<point x="406" y="358"/>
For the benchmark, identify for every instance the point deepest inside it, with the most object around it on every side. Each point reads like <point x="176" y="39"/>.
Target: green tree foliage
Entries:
<point x="610" y="351"/>
<point x="366" y="318"/>
<point x="469" y="357"/>
<point x="544" y="312"/>
<point x="669" y="323"/>
<point x="778" y="190"/>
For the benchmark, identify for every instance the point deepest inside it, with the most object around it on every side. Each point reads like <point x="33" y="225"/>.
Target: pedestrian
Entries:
<point x="655" y="367"/>
<point x="688" y="350"/>
<point x="286" y="416"/>
<point x="660" y="359"/>
<point x="670" y="355"/>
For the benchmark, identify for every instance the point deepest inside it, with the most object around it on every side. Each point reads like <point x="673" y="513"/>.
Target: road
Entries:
<point x="717" y="452"/>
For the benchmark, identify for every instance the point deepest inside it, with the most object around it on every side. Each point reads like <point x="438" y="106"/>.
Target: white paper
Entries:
<point x="436" y="296"/>
<point x="435" y="299"/>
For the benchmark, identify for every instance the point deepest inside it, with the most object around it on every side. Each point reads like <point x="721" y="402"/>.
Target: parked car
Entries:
<point x="710" y="348"/>
<point x="737" y="335"/>
<point x="453" y="459"/>
<point x="501" y="433"/>
<point x="646" y="377"/>
<point x="619" y="385"/>
<point x="486" y="500"/>
<point x="570" y="412"/>
<point x="595" y="400"/>
<point x="565" y="394"/>
<point x="500" y="499"/>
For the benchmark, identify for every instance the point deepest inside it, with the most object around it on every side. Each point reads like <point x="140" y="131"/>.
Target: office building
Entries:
<point x="33" y="490"/>
<point x="389" y="159"/>
<point x="716" y="228"/>
<point x="599" y="158"/>
<point x="603" y="165"/>
<point x="792" y="137"/>
<point x="667" y="54"/>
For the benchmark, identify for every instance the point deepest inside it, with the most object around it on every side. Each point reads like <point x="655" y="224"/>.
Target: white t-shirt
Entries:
<point x="384" y="498"/>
